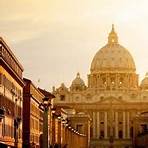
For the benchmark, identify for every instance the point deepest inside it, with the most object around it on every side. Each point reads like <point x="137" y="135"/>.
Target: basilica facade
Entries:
<point x="112" y="97"/>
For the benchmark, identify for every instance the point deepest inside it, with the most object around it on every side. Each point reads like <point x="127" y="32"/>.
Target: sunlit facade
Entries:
<point x="112" y="97"/>
<point x="11" y="98"/>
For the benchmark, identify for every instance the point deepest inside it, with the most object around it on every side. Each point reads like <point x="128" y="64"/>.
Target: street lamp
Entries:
<point x="17" y="122"/>
<point x="46" y="103"/>
<point x="45" y="107"/>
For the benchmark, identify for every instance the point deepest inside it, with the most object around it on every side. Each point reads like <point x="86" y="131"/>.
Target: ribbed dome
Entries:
<point x="78" y="81"/>
<point x="113" y="57"/>
<point x="144" y="82"/>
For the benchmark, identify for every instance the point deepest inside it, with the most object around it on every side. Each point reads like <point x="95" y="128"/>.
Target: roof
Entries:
<point x="113" y="57"/>
<point x="46" y="93"/>
<point x="11" y="53"/>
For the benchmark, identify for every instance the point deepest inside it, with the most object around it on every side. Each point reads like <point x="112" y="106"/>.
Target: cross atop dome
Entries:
<point x="78" y="75"/>
<point x="112" y="38"/>
<point x="113" y="29"/>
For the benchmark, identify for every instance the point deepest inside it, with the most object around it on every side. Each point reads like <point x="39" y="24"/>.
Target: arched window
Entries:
<point x="101" y="98"/>
<point x="120" y="134"/>
<point x="131" y="132"/>
<point x="62" y="97"/>
<point x="101" y="134"/>
<point x="104" y="81"/>
<point x="88" y="97"/>
<point x="120" y="97"/>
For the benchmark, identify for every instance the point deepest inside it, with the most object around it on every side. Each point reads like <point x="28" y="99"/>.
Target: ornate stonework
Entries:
<point x="112" y="98"/>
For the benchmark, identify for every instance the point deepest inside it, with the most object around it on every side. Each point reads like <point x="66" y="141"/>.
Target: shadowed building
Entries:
<point x="32" y="115"/>
<point x="46" y="106"/>
<point x="140" y="137"/>
<point x="67" y="129"/>
<point x="81" y="122"/>
<point x="112" y="97"/>
<point x="11" y="92"/>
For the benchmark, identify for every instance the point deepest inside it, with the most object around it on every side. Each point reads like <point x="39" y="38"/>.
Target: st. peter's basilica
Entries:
<point x="112" y="98"/>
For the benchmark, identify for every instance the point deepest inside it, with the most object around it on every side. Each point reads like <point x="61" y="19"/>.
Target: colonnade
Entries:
<point x="65" y="136"/>
<point x="125" y="123"/>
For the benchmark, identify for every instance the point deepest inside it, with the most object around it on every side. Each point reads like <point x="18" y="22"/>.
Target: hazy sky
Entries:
<point x="55" y="39"/>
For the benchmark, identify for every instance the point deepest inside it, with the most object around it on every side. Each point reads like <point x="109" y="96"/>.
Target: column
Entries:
<point x="97" y="81"/>
<point x="98" y="125"/>
<point x="128" y="129"/>
<point x="116" y="125"/>
<point x="45" y="128"/>
<point x="116" y="82"/>
<point x="62" y="133"/>
<point x="107" y="80"/>
<point x="94" y="125"/>
<point x="124" y="124"/>
<point x="105" y="125"/>
<point x="56" y="130"/>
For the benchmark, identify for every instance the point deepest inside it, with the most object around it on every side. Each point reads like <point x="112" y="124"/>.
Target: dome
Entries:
<point x="113" y="57"/>
<point x="144" y="82"/>
<point x="78" y="80"/>
<point x="77" y="83"/>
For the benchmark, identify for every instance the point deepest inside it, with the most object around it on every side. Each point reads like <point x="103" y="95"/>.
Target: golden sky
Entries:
<point x="54" y="39"/>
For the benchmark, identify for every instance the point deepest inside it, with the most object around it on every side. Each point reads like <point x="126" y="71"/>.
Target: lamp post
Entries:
<point x="46" y="103"/>
<point x="17" y="122"/>
<point x="45" y="107"/>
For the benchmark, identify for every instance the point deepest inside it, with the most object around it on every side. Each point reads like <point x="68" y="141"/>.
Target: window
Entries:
<point x="77" y="88"/>
<point x="120" y="134"/>
<point x="144" y="127"/>
<point x="77" y="98"/>
<point x="62" y="97"/>
<point x="120" y="122"/>
<point x="101" y="98"/>
<point x="88" y="97"/>
<point x="131" y="132"/>
<point x="101" y="134"/>
<point x="104" y="80"/>
<point x="133" y="96"/>
<point x="120" y="97"/>
<point x="79" y="127"/>
<point x="108" y="87"/>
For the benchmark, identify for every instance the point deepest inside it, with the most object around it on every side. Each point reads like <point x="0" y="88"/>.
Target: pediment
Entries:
<point x="111" y="100"/>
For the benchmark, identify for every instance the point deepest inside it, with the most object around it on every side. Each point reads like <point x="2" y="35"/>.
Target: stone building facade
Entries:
<point x="112" y="97"/>
<point x="67" y="129"/>
<point x="11" y="98"/>
<point x="140" y="136"/>
<point x="32" y="115"/>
